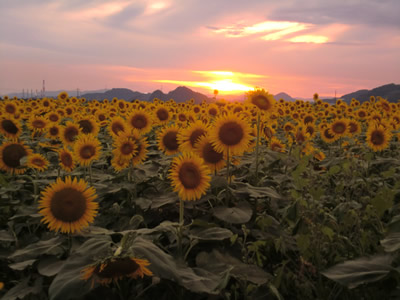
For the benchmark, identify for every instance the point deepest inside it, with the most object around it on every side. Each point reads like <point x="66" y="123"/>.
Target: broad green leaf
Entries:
<point x="247" y="190"/>
<point x="239" y="214"/>
<point x="51" y="247"/>
<point x="5" y="236"/>
<point x="23" y="289"/>
<point x="363" y="270"/>
<point x="334" y="170"/>
<point x="50" y="266"/>
<point x="328" y="232"/>
<point x="392" y="242"/>
<point x="22" y="265"/>
<point x="211" y="234"/>
<point x="383" y="200"/>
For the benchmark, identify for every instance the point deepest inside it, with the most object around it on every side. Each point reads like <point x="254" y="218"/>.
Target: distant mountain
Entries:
<point x="390" y="92"/>
<point x="284" y="96"/>
<point x="180" y="94"/>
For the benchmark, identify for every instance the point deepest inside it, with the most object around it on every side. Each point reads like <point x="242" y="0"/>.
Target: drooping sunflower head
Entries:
<point x="189" y="176"/>
<point x="68" y="206"/>
<point x="378" y="137"/>
<point x="189" y="136"/>
<point x="117" y="126"/>
<point x="11" y="154"/>
<point x="116" y="268"/>
<point x="276" y="145"/>
<point x="38" y="162"/>
<point x="168" y="140"/>
<point x="10" y="127"/>
<point x="231" y="133"/>
<point x="213" y="159"/>
<point x="87" y="148"/>
<point x="262" y="99"/>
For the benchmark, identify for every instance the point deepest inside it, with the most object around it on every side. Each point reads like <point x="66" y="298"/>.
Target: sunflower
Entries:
<point x="86" y="149"/>
<point x="189" y="136"/>
<point x="53" y="117"/>
<point x="354" y="127"/>
<point x="262" y="99"/>
<point x="189" y="176"/>
<point x="88" y="126"/>
<point x="378" y="137"/>
<point x="117" y="126"/>
<point x="213" y="159"/>
<point x="162" y="115"/>
<point x="69" y="133"/>
<point x="141" y="153"/>
<point x="276" y="145"/>
<point x="10" y="108"/>
<point x="327" y="135"/>
<point x="37" y="124"/>
<point x="212" y="110"/>
<point x="168" y="140"/>
<point x="140" y="120"/>
<point x="53" y="130"/>
<point x="339" y="127"/>
<point x="119" y="163"/>
<point x="38" y="162"/>
<point x="230" y="134"/>
<point x="68" y="206"/>
<point x="66" y="160"/>
<point x="125" y="147"/>
<point x="10" y="127"/>
<point x="115" y="268"/>
<point x="62" y="96"/>
<point x="11" y="154"/>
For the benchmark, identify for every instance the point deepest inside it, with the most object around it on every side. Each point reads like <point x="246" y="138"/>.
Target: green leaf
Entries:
<point x="247" y="190"/>
<point x="23" y="289"/>
<point x="22" y="265"/>
<point x="68" y="283"/>
<point x="50" y="266"/>
<point x="51" y="247"/>
<point x="328" y="232"/>
<point x="164" y="266"/>
<point x="135" y="221"/>
<point x="239" y="214"/>
<point x="334" y="170"/>
<point x="383" y="200"/>
<point x="392" y="242"/>
<point x="303" y="242"/>
<point x="5" y="236"/>
<point x="275" y="291"/>
<point x="217" y="262"/>
<point x="363" y="270"/>
<point x="165" y="199"/>
<point x="211" y="234"/>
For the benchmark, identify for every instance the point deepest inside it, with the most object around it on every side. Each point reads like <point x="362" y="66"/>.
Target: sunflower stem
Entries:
<point x="90" y="174"/>
<point x="257" y="146"/>
<point x="227" y="166"/>
<point x="181" y="221"/>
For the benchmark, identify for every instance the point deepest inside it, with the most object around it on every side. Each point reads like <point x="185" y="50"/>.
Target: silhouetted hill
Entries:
<point x="180" y="94"/>
<point x="390" y="92"/>
<point x="284" y="96"/>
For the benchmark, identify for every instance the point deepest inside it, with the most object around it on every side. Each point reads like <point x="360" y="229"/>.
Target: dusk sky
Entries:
<point x="294" y="46"/>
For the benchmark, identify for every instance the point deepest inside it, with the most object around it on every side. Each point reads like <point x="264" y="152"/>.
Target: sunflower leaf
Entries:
<point x="239" y="214"/>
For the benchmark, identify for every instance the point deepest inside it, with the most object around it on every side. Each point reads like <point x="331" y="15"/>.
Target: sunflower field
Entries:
<point x="264" y="199"/>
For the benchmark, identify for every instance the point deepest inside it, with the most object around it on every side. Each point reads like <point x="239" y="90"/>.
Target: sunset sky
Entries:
<point x="294" y="46"/>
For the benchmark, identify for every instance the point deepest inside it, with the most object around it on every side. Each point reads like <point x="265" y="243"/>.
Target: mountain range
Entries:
<point x="391" y="92"/>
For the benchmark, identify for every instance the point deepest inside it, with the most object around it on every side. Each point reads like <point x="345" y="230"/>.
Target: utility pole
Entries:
<point x="43" y="90"/>
<point x="23" y="93"/>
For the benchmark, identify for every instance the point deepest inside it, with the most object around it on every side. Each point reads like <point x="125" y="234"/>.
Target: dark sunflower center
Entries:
<point x="69" y="111"/>
<point x="68" y="205"/>
<point x="195" y="136"/>
<point x="237" y="109"/>
<point x="101" y="117"/>
<point x="212" y="111"/>
<point x="182" y="117"/>
<point x="117" y="268"/>
<point x="196" y="110"/>
<point x="377" y="137"/>
<point x="54" y="131"/>
<point x="66" y="159"/>
<point x="268" y="132"/>
<point x="46" y="103"/>
<point x="9" y="126"/>
<point x="231" y="133"/>
<point x="127" y="148"/>
<point x="87" y="151"/>
<point x="12" y="155"/>
<point x="261" y="101"/>
<point x="70" y="133"/>
<point x="53" y="118"/>
<point x="189" y="175"/>
<point x="300" y="138"/>
<point x="276" y="146"/>
<point x="139" y="121"/>
<point x="310" y="130"/>
<point x="361" y="114"/>
<point x="308" y="119"/>
<point x="339" y="127"/>
<point x="210" y="155"/>
<point x="38" y="124"/>
<point x="162" y="114"/>
<point x="86" y="125"/>
<point x="10" y="108"/>
<point x="170" y="141"/>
